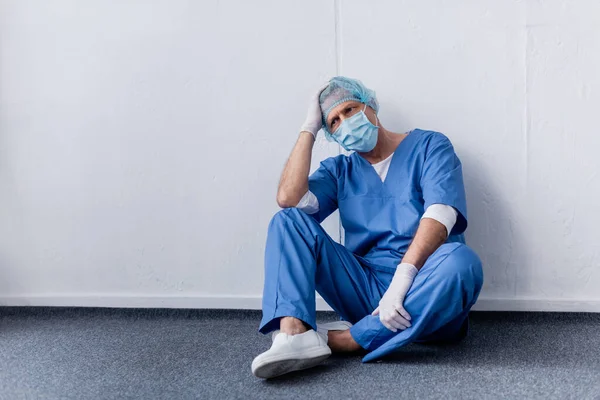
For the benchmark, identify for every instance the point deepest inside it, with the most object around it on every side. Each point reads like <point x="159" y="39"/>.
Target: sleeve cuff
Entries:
<point x="309" y="203"/>
<point x="444" y="214"/>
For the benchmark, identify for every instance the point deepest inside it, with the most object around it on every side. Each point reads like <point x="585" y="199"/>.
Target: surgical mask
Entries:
<point x="357" y="133"/>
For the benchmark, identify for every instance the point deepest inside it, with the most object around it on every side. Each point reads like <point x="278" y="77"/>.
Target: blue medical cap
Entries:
<point x="343" y="89"/>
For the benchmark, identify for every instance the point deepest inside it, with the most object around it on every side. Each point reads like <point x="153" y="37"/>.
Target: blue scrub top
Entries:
<point x="380" y="219"/>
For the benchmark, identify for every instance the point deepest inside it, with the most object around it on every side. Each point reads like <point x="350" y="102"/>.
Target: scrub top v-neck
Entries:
<point x="382" y="167"/>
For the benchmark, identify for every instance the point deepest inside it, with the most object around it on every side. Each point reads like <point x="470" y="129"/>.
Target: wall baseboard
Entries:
<point x="254" y="302"/>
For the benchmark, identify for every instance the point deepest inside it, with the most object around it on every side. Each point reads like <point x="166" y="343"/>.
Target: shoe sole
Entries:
<point x="276" y="366"/>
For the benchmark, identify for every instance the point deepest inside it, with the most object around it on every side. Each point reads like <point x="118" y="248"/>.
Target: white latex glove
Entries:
<point x="391" y="309"/>
<point x="314" y="119"/>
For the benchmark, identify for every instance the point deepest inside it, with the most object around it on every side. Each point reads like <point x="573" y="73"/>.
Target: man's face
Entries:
<point x="346" y="110"/>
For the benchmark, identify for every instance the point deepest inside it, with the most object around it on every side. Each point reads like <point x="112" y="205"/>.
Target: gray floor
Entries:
<point x="50" y="353"/>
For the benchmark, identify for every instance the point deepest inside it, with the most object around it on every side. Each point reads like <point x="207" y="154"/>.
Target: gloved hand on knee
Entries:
<point x="391" y="306"/>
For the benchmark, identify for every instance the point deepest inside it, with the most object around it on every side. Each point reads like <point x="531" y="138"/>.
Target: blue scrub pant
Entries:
<point x="301" y="257"/>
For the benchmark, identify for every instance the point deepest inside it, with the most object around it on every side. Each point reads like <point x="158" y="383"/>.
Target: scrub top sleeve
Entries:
<point x="442" y="179"/>
<point x="323" y="184"/>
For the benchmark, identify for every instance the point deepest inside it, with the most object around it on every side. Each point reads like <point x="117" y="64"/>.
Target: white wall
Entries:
<point x="141" y="141"/>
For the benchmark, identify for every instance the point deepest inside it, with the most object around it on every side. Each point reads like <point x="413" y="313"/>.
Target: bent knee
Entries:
<point x="461" y="260"/>
<point x="290" y="213"/>
<point x="293" y="214"/>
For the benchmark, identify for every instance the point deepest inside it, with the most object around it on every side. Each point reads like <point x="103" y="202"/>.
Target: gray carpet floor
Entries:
<point x="82" y="353"/>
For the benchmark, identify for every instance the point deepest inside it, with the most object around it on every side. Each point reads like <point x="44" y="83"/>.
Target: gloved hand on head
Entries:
<point x="314" y="119"/>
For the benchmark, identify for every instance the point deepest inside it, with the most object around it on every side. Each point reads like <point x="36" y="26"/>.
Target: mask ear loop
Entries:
<point x="376" y="118"/>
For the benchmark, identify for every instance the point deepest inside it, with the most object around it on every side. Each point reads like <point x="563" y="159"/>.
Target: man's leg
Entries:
<point x="299" y="254"/>
<point x="439" y="300"/>
<point x="299" y="258"/>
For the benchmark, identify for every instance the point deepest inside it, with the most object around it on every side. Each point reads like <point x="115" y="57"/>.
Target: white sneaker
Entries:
<point x="324" y="328"/>
<point x="291" y="353"/>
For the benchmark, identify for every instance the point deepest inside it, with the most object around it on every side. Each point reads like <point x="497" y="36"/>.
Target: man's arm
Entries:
<point x="430" y="235"/>
<point x="293" y="184"/>
<point x="294" y="179"/>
